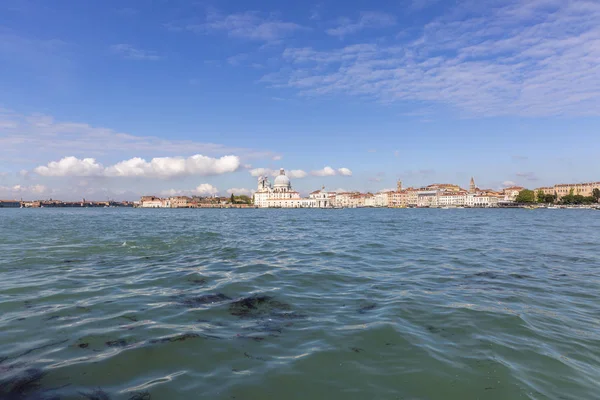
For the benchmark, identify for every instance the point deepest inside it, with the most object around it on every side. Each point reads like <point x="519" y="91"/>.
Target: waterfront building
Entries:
<point x="511" y="193"/>
<point x="10" y="204"/>
<point x="583" y="189"/>
<point x="399" y="199"/>
<point x="382" y="199"/>
<point x="481" y="200"/>
<point x="320" y="199"/>
<point x="413" y="197"/>
<point x="452" y="199"/>
<point x="180" y="202"/>
<point x="281" y="194"/>
<point x="152" y="202"/>
<point x="427" y="198"/>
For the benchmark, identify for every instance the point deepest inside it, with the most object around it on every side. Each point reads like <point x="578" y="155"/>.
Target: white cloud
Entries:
<point x="240" y="191"/>
<point x="327" y="171"/>
<point x="248" y="25"/>
<point x="71" y="166"/>
<point x="508" y="183"/>
<point x="168" y="167"/>
<point x="131" y="53"/>
<point x="205" y="189"/>
<point x="366" y="20"/>
<point x="261" y="171"/>
<point x="296" y="173"/>
<point x="277" y="158"/>
<point x="525" y="58"/>
<point x="160" y="167"/>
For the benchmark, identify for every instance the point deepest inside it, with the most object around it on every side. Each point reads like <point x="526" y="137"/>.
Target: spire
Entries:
<point x="472" y="187"/>
<point x="281" y="171"/>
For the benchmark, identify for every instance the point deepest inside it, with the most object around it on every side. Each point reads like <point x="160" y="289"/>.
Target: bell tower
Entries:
<point x="399" y="186"/>
<point x="472" y="186"/>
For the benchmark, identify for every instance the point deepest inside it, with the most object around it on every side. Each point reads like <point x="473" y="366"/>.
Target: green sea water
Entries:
<point x="299" y="304"/>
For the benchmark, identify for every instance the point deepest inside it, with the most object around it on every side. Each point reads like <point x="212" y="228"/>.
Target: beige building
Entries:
<point x="180" y="202"/>
<point x="583" y="189"/>
<point x="511" y="193"/>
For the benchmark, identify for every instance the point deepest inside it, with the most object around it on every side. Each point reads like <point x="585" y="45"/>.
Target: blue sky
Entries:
<point x="122" y="98"/>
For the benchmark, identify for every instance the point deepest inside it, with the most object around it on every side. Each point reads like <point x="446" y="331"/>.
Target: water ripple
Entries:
<point x="254" y="304"/>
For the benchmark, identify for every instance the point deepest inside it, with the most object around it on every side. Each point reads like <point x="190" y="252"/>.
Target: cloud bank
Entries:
<point x="160" y="167"/>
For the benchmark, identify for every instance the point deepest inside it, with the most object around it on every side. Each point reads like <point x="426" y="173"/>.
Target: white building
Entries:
<point x="452" y="199"/>
<point x="320" y="198"/>
<point x="281" y="195"/>
<point x="154" y="202"/>
<point x="427" y="198"/>
<point x="382" y="199"/>
<point x="476" y="200"/>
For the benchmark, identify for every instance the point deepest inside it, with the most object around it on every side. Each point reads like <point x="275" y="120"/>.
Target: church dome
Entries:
<point x="282" y="180"/>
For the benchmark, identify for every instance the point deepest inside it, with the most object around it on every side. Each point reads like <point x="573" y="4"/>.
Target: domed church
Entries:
<point x="278" y="195"/>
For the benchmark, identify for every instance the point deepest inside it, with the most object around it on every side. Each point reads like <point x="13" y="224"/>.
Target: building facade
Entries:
<point x="583" y="189"/>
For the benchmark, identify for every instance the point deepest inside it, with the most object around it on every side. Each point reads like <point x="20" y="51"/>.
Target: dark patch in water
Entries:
<point x="140" y="396"/>
<point x="367" y="307"/>
<point x="117" y="343"/>
<point x="83" y="345"/>
<point x="255" y="338"/>
<point x="25" y="385"/>
<point x="97" y="394"/>
<point x="253" y="357"/>
<point x="520" y="276"/>
<point x="68" y="261"/>
<point x="204" y="300"/>
<point x="131" y="318"/>
<point x="256" y="306"/>
<point x="199" y="281"/>
<point x="178" y="338"/>
<point x="433" y="329"/>
<point x="52" y="317"/>
<point x="357" y="349"/>
<point x="486" y="274"/>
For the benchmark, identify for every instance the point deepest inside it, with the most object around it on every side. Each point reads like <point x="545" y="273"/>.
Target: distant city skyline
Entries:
<point x="202" y="98"/>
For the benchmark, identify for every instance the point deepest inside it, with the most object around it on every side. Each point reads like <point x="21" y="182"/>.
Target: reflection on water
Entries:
<point x="296" y="304"/>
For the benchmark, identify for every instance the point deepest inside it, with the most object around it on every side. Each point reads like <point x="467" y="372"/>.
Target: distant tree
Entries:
<point x="541" y="196"/>
<point x="232" y="200"/>
<point x="596" y="194"/>
<point x="244" y="199"/>
<point x="549" y="198"/>
<point x="526" y="196"/>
